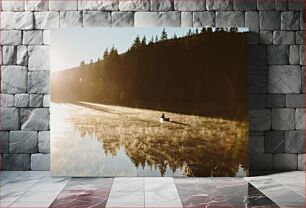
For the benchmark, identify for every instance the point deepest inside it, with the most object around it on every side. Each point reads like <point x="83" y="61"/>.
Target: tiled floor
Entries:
<point x="38" y="189"/>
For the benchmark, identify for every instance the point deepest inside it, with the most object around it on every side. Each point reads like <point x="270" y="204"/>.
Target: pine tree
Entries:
<point x="144" y="41"/>
<point x="151" y="41"/>
<point x="189" y="33"/>
<point x="164" y="35"/>
<point x="156" y="39"/>
<point x="113" y="51"/>
<point x="105" y="54"/>
<point x="136" y="43"/>
<point x="203" y="30"/>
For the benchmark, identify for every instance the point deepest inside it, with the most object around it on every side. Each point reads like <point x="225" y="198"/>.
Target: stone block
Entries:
<point x="46" y="37"/>
<point x="251" y="21"/>
<point x="40" y="162"/>
<point x="285" y="162"/>
<point x="203" y="19"/>
<point x="256" y="144"/>
<point x="302" y="20"/>
<point x="22" y="55"/>
<point x="261" y="161"/>
<point x="23" y="142"/>
<point x="37" y="5"/>
<point x="260" y="120"/>
<point x="295" y="100"/>
<point x="222" y="5"/>
<point x="33" y="37"/>
<point x="36" y="100"/>
<point x="46" y="20"/>
<point x="300" y="119"/>
<point x="44" y="142"/>
<point x="71" y="19"/>
<point x="290" y="20"/>
<point x="281" y="5"/>
<point x="283" y="118"/>
<point x="24" y="20"/>
<point x="134" y="5"/>
<point x="266" y="37"/>
<point x="283" y="37"/>
<point x="39" y="58"/>
<point x="301" y="162"/>
<point x="258" y="82"/>
<point x="162" y="5"/>
<point x="10" y="37"/>
<point x="99" y="5"/>
<point x="185" y="6"/>
<point x="269" y="20"/>
<point x="246" y="5"/>
<point x="4" y="141"/>
<point x="16" y="162"/>
<point x="265" y="5"/>
<point x="97" y="19"/>
<point x="13" y="79"/>
<point x="7" y="22"/>
<point x="6" y="100"/>
<point x="63" y="5"/>
<point x="186" y="19"/>
<point x="302" y="55"/>
<point x="38" y="82"/>
<point x="157" y="19"/>
<point x="297" y="5"/>
<point x="276" y="100"/>
<point x="295" y="141"/>
<point x="122" y="19"/>
<point x="257" y="57"/>
<point x="9" y="55"/>
<point x="253" y="38"/>
<point x="278" y="54"/>
<point x="21" y="100"/>
<point x="46" y="101"/>
<point x="274" y="142"/>
<point x="9" y="119"/>
<point x="257" y="101"/>
<point x="36" y="119"/>
<point x="229" y="19"/>
<point x="299" y="37"/>
<point x="13" y="5"/>
<point x="294" y="54"/>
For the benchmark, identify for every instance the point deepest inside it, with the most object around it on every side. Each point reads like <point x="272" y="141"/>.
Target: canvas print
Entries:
<point x="149" y="102"/>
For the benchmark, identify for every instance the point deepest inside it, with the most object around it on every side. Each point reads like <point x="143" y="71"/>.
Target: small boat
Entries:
<point x="163" y="118"/>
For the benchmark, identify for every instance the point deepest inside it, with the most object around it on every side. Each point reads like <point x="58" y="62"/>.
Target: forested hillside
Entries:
<point x="203" y="73"/>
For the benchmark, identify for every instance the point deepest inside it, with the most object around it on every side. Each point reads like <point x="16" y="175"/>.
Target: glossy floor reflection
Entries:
<point x="39" y="190"/>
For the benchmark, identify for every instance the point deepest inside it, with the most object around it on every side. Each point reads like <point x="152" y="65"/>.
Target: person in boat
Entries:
<point x="163" y="118"/>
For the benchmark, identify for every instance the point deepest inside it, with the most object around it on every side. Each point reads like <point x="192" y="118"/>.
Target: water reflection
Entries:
<point x="206" y="147"/>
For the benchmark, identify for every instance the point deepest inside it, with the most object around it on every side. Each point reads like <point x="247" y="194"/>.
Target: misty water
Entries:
<point x="102" y="140"/>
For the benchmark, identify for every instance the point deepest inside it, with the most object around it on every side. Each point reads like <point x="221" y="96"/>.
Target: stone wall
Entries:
<point x="276" y="65"/>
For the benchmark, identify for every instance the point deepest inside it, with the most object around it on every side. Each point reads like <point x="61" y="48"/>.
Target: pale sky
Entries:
<point x="72" y="45"/>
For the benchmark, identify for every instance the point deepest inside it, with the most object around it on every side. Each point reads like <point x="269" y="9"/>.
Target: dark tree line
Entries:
<point x="201" y="73"/>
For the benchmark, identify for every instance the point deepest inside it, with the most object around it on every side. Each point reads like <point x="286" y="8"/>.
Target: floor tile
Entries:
<point x="89" y="184"/>
<point x="128" y="184"/>
<point x="50" y="184"/>
<point x="155" y="184"/>
<point x="277" y="192"/>
<point x="163" y="198"/>
<point x="81" y="199"/>
<point x="126" y="200"/>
